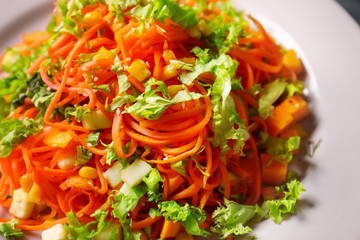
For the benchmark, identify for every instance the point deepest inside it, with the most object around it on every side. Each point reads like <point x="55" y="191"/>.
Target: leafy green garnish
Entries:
<point x="189" y="216"/>
<point x="277" y="208"/>
<point x="77" y="231"/>
<point x="281" y="148"/>
<point x="268" y="95"/>
<point x="233" y="218"/>
<point x="236" y="219"/>
<point x="76" y="111"/>
<point x="9" y="231"/>
<point x="13" y="132"/>
<point x="150" y="105"/>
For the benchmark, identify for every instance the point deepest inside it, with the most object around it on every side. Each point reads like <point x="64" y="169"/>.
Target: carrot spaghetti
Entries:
<point x="147" y="120"/>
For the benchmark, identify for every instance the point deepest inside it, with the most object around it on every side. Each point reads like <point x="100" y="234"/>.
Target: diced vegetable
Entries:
<point x="174" y="89"/>
<point x="170" y="229"/>
<point x="291" y="110"/>
<point x="90" y="19"/>
<point x="96" y="120"/>
<point x="88" y="172"/>
<point x="133" y="174"/>
<point x="113" y="174"/>
<point x="272" y="172"/>
<point x="296" y="107"/>
<point x="168" y="72"/>
<point x="67" y="161"/>
<point x="21" y="207"/>
<point x="56" y="232"/>
<point x="124" y="189"/>
<point x="291" y="61"/>
<point x="35" y="194"/>
<point x="57" y="138"/>
<point x="139" y="70"/>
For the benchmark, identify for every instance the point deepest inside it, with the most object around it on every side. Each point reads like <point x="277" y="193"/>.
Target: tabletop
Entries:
<point x="353" y="8"/>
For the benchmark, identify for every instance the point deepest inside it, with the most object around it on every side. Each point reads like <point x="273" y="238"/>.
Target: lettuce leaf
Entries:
<point x="9" y="231"/>
<point x="77" y="231"/>
<point x="151" y="104"/>
<point x="226" y="122"/>
<point x="281" y="148"/>
<point x="268" y="95"/>
<point x="277" y="208"/>
<point x="189" y="216"/>
<point x="233" y="218"/>
<point x="13" y="132"/>
<point x="162" y="9"/>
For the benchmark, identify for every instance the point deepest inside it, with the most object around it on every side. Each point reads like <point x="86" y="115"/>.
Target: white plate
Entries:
<point x="328" y="41"/>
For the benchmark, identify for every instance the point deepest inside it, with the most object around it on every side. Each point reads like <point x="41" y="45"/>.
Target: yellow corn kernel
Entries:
<point x="194" y="32"/>
<point x="26" y="182"/>
<point x="189" y="60"/>
<point x="168" y="55"/>
<point x="204" y="28"/>
<point x="168" y="72"/>
<point x="139" y="70"/>
<point x="88" y="172"/>
<point x="103" y="53"/>
<point x="35" y="194"/>
<point x="91" y="19"/>
<point x="291" y="61"/>
<point x="174" y="89"/>
<point x="184" y="236"/>
<point x="57" y="138"/>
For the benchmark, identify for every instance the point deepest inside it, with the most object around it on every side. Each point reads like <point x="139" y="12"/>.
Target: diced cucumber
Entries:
<point x="56" y="232"/>
<point x="113" y="174"/>
<point x="133" y="174"/>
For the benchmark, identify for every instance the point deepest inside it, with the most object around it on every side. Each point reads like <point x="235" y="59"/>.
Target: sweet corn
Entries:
<point x="174" y="89"/>
<point x="91" y="19"/>
<point x="26" y="182"/>
<point x="168" y="72"/>
<point x="184" y="236"/>
<point x="57" y="138"/>
<point x="168" y="55"/>
<point x="204" y="28"/>
<point x="35" y="194"/>
<point x="88" y="172"/>
<point x="139" y="70"/>
<point x="103" y="53"/>
<point x="291" y="61"/>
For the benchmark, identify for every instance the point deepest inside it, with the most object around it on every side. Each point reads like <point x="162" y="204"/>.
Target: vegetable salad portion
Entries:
<point x="145" y="119"/>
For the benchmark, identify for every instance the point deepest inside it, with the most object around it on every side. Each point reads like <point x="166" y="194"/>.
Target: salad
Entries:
<point x="146" y="119"/>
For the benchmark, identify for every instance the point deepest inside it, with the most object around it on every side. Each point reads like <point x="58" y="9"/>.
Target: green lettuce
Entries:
<point x="189" y="216"/>
<point x="13" y="132"/>
<point x="268" y="95"/>
<point x="233" y="218"/>
<point x="9" y="231"/>
<point x="151" y="105"/>
<point x="77" y="231"/>
<point x="281" y="148"/>
<point x="277" y="208"/>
